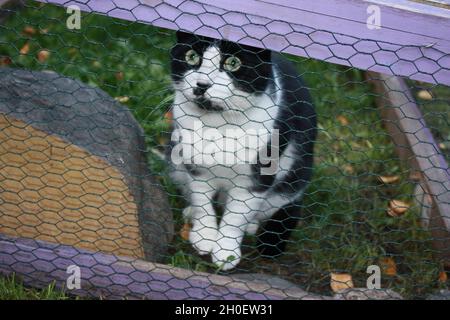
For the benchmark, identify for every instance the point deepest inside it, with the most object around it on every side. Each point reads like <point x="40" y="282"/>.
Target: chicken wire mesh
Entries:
<point x="85" y="182"/>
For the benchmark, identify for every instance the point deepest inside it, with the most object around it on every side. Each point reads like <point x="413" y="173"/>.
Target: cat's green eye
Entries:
<point x="232" y="64"/>
<point x="192" y="57"/>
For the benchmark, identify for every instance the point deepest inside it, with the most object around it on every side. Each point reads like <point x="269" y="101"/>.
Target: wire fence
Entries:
<point x="137" y="161"/>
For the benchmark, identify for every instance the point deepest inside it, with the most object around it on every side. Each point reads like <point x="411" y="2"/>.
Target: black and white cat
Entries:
<point x="227" y="94"/>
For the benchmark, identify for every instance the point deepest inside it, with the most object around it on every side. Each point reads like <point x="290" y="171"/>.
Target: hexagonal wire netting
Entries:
<point x="140" y="162"/>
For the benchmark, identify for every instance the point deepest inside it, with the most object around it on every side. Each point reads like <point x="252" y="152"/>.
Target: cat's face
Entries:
<point x="219" y="75"/>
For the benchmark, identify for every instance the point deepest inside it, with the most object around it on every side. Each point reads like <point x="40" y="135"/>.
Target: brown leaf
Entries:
<point x="168" y="117"/>
<point x="341" y="281"/>
<point x="397" y="208"/>
<point x="25" y="49"/>
<point x="388" y="266"/>
<point x="185" y="230"/>
<point x="342" y="120"/>
<point x="119" y="76"/>
<point x="29" y="31"/>
<point x="388" y="179"/>
<point x="443" y="277"/>
<point x="43" y="55"/>
<point x="5" y="61"/>
<point x="424" y="95"/>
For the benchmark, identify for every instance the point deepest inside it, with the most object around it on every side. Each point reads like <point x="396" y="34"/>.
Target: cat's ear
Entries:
<point x="184" y="37"/>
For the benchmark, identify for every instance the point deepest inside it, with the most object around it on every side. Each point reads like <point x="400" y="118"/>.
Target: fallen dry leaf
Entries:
<point x="388" y="266"/>
<point x="397" y="208"/>
<point x="185" y="230"/>
<point x="424" y="95"/>
<point x="342" y="120"/>
<point x="388" y="179"/>
<point x="443" y="277"/>
<point x="43" y="55"/>
<point x="123" y="99"/>
<point x="29" y="31"/>
<point x="119" y="75"/>
<point x="25" y="49"/>
<point x="391" y="212"/>
<point x="168" y="117"/>
<point x="44" y="31"/>
<point x="341" y="281"/>
<point x="5" y="61"/>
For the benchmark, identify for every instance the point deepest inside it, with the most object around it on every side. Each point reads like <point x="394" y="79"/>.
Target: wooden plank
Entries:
<point x="433" y="7"/>
<point x="436" y="3"/>
<point x="352" y="16"/>
<point x="39" y="263"/>
<point x="413" y="40"/>
<point x="416" y="146"/>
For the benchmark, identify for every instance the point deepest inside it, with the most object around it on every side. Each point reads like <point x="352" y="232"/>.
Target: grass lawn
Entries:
<point x="434" y="102"/>
<point x="344" y="228"/>
<point x="13" y="289"/>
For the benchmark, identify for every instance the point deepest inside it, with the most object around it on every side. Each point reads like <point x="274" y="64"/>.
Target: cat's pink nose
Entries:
<point x="201" y="88"/>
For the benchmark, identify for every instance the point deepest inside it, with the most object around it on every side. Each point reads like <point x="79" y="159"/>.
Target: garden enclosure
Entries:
<point x="380" y="193"/>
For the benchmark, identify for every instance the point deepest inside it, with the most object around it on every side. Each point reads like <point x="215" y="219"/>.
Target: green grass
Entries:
<point x="13" y="289"/>
<point x="344" y="227"/>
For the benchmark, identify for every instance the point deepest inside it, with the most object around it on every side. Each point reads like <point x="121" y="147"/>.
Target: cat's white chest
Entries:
<point x="227" y="139"/>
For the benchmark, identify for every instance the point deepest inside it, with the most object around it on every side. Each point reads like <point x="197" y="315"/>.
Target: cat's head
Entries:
<point x="219" y="75"/>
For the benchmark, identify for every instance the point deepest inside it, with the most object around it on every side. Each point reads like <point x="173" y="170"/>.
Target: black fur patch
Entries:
<point x="206" y="104"/>
<point x="296" y="122"/>
<point x="186" y="42"/>
<point x="192" y="169"/>
<point x="275" y="232"/>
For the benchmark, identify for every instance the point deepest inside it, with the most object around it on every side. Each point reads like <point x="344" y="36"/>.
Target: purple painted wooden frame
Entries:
<point x="413" y="41"/>
<point x="329" y="30"/>
<point x="39" y="263"/>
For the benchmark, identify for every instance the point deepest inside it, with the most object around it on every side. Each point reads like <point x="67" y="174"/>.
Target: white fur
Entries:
<point x="243" y="209"/>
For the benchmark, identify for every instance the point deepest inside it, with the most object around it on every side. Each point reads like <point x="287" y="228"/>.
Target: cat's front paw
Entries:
<point x="226" y="255"/>
<point x="203" y="239"/>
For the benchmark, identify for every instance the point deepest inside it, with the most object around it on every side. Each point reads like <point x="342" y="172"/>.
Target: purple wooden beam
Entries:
<point x="413" y="40"/>
<point x="40" y="263"/>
